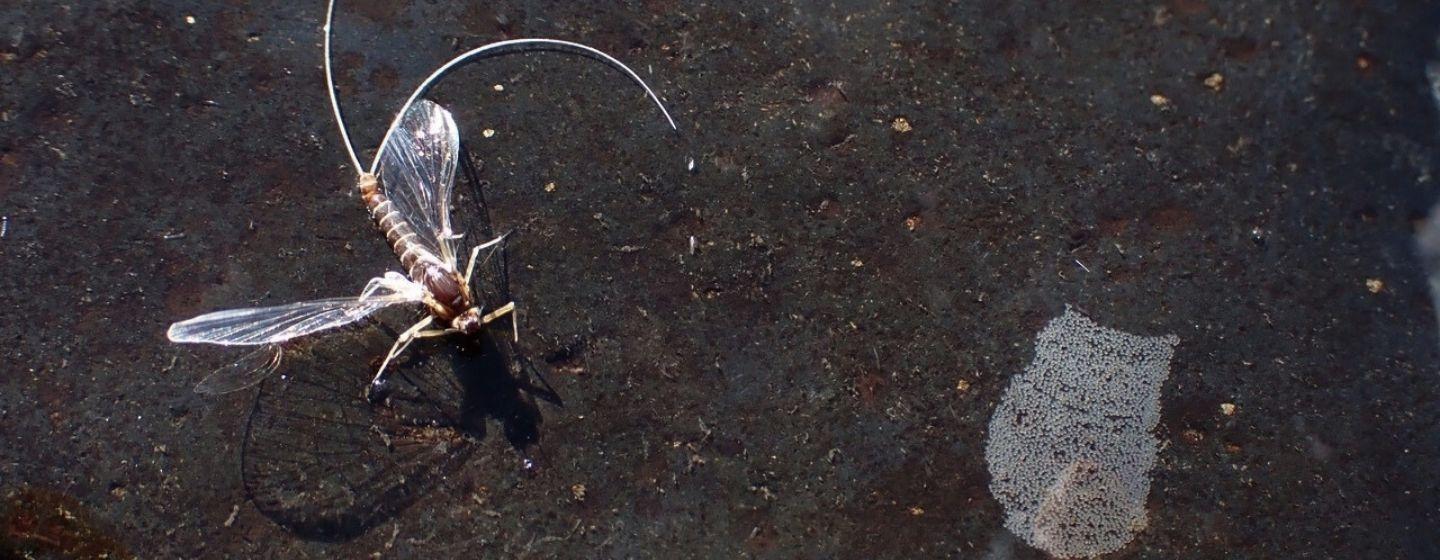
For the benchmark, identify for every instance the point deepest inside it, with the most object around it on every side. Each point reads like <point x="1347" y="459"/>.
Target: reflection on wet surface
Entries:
<point x="326" y="463"/>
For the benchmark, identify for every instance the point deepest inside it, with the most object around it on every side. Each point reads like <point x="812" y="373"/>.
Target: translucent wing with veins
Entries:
<point x="324" y="462"/>
<point x="270" y="325"/>
<point x="417" y="174"/>
<point x="241" y="372"/>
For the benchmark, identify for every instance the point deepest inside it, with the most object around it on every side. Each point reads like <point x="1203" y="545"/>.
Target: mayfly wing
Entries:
<point x="417" y="173"/>
<point x="491" y="281"/>
<point x="272" y="325"/>
<point x="269" y="326"/>
<point x="323" y="461"/>
<point x="241" y="372"/>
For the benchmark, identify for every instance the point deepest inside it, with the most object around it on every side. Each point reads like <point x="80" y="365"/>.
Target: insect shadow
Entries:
<point x="326" y="463"/>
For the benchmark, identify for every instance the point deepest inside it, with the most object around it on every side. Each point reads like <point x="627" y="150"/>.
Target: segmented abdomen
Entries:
<point x="397" y="231"/>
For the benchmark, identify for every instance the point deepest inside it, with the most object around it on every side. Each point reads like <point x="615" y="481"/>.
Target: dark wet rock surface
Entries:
<point x="892" y="199"/>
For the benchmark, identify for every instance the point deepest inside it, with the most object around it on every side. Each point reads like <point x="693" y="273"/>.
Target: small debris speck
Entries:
<point x="917" y="511"/>
<point x="900" y="124"/>
<point x="190" y="20"/>
<point x="578" y="491"/>
<point x="1159" y="100"/>
<point x="1215" y="81"/>
<point x="499" y="87"/>
<point x="962" y="385"/>
<point x="1374" y="285"/>
<point x="487" y="132"/>
<point x="1227" y="409"/>
<point x="912" y="222"/>
<point x="550" y="187"/>
<point x="857" y="263"/>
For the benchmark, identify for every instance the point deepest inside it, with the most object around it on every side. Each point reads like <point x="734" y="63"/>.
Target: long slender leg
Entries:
<point x="434" y="333"/>
<point x="501" y="312"/>
<point x="400" y="344"/>
<point x="474" y="253"/>
<point x="507" y="308"/>
<point x="498" y="313"/>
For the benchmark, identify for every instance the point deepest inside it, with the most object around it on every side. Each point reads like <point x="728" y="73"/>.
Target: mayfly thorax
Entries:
<point x="448" y="293"/>
<point x="407" y="190"/>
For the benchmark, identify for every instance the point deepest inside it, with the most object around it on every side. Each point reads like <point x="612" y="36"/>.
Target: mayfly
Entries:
<point x="407" y="190"/>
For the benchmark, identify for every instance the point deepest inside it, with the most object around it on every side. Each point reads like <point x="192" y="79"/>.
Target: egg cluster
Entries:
<point x="1070" y="446"/>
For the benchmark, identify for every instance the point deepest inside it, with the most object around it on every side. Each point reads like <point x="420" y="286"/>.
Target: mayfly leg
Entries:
<point x="401" y="343"/>
<point x="475" y="253"/>
<point x="508" y="308"/>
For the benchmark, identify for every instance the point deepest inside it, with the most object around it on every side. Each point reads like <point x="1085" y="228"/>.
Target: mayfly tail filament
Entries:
<point x="330" y="89"/>
<point x="521" y="45"/>
<point x="492" y="49"/>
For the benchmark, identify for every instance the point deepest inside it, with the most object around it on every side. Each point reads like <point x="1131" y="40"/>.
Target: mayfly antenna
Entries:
<point x="330" y="88"/>
<point x="503" y="47"/>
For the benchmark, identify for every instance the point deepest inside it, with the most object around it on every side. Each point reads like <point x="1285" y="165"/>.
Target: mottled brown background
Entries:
<point x="794" y="388"/>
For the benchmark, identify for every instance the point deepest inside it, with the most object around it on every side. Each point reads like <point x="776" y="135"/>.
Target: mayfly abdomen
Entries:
<point x="390" y="221"/>
<point x="447" y="295"/>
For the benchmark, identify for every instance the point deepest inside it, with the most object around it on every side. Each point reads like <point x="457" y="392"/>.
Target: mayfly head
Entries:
<point x="469" y="323"/>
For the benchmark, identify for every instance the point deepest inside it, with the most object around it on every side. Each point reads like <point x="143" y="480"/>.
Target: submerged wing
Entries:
<point x="417" y="173"/>
<point x="270" y="325"/>
<point x="491" y="280"/>
<point x="241" y="372"/>
<point x="324" y="462"/>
